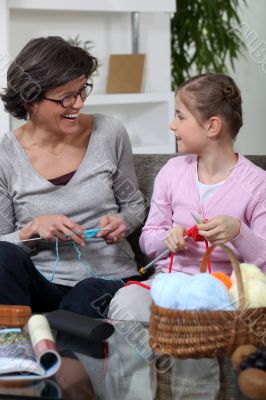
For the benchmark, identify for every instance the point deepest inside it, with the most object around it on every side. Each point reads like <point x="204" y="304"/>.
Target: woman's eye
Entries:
<point x="179" y="117"/>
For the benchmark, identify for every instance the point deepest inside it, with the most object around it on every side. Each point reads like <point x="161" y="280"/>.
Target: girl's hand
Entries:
<point x="116" y="228"/>
<point x="220" y="229"/>
<point x="52" y="227"/>
<point x="175" y="240"/>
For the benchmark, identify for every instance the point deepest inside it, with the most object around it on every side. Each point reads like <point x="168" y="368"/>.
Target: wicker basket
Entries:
<point x="197" y="334"/>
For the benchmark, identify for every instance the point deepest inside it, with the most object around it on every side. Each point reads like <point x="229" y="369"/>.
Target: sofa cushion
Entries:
<point x="147" y="167"/>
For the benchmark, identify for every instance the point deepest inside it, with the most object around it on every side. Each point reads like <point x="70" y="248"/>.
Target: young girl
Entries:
<point x="224" y="189"/>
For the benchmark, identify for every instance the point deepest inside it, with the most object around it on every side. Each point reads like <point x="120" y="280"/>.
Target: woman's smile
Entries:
<point x="71" y="117"/>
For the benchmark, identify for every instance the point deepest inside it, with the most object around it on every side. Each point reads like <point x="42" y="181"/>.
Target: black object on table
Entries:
<point x="94" y="330"/>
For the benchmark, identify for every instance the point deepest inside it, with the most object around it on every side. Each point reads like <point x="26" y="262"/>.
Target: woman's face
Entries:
<point x="191" y="136"/>
<point x="53" y="117"/>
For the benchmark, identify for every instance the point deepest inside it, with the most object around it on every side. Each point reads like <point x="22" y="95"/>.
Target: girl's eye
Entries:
<point x="179" y="117"/>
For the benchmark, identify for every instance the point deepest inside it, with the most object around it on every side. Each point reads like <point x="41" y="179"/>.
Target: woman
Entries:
<point x="60" y="173"/>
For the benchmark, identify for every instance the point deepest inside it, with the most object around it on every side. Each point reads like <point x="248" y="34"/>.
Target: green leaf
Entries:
<point x="200" y="39"/>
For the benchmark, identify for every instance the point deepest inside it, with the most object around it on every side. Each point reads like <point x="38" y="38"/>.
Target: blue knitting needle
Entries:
<point x="89" y="233"/>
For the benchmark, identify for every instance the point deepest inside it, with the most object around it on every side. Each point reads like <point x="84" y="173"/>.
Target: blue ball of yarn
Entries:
<point x="164" y="288"/>
<point x="180" y="291"/>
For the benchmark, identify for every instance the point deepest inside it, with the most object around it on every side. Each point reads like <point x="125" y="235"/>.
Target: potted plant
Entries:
<point x="203" y="37"/>
<point x="76" y="41"/>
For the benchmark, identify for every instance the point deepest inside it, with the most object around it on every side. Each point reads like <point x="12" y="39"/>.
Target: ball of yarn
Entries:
<point x="249" y="271"/>
<point x="254" y="282"/>
<point x="254" y="293"/>
<point x="164" y="287"/>
<point x="185" y="292"/>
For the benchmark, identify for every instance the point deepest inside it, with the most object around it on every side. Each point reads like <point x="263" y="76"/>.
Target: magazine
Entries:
<point x="28" y="355"/>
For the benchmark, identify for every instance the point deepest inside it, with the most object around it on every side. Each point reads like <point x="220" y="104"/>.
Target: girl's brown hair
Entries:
<point x="209" y="95"/>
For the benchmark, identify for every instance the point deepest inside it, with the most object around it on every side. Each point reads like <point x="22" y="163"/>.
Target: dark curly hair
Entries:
<point x="44" y="63"/>
<point x="210" y="94"/>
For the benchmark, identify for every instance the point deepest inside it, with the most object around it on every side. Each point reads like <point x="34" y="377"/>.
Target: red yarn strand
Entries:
<point x="171" y="262"/>
<point x="194" y="234"/>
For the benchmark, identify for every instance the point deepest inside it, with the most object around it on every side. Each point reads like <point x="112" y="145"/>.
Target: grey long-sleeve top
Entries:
<point x="105" y="183"/>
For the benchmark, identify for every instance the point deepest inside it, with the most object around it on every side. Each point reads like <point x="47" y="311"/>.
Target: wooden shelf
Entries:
<point x="128" y="98"/>
<point x="94" y="5"/>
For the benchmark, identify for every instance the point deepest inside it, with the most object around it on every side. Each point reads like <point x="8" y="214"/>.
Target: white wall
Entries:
<point x="110" y="32"/>
<point x="250" y="74"/>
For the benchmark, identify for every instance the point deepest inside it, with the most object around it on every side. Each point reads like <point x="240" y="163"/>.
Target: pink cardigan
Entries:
<point x="175" y="196"/>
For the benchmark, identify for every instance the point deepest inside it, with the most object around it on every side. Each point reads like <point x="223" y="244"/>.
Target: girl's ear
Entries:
<point x="214" y="126"/>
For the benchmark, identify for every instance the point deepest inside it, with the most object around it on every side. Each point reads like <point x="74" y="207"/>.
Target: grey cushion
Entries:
<point x="147" y="167"/>
<point x="260" y="161"/>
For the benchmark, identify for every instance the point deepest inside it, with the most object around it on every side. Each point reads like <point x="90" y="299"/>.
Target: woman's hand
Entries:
<point x="116" y="228"/>
<point x="220" y="229"/>
<point x="52" y="227"/>
<point x="175" y="240"/>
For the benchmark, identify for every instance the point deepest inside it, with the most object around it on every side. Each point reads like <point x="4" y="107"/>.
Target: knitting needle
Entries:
<point x="142" y="270"/>
<point x="166" y="252"/>
<point x="40" y="238"/>
<point x="163" y="254"/>
<point x="28" y="240"/>
<point x="151" y="264"/>
<point x="196" y="218"/>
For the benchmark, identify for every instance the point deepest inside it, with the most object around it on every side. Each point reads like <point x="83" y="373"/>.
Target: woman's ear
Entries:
<point x="34" y="108"/>
<point x="214" y="126"/>
<point x="31" y="108"/>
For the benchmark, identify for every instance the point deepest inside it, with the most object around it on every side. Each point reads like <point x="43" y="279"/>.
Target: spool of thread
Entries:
<point x="40" y="334"/>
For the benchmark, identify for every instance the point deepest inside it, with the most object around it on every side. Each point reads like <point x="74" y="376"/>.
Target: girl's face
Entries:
<point x="53" y="117"/>
<point x="191" y="136"/>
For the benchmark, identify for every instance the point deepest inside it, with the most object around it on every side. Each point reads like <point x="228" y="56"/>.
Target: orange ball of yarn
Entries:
<point x="223" y="278"/>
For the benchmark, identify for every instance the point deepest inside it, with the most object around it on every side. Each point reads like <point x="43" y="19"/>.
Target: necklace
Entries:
<point x="56" y="155"/>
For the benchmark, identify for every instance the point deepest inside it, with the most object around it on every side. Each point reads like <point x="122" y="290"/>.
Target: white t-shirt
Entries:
<point x="206" y="191"/>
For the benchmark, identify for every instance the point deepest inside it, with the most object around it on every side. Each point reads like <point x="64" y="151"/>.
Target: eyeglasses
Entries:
<point x="69" y="100"/>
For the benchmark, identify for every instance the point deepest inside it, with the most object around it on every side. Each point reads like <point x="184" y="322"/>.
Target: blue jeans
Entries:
<point x="22" y="284"/>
